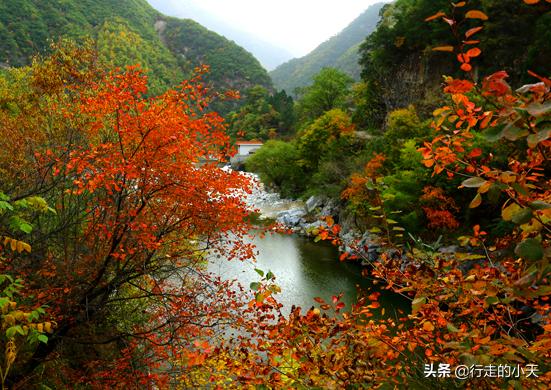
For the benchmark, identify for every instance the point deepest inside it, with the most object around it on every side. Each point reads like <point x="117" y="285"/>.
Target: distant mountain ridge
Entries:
<point x="340" y="51"/>
<point x="269" y="55"/>
<point x="127" y="32"/>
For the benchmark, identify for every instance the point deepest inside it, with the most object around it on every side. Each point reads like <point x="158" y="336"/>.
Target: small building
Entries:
<point x="244" y="150"/>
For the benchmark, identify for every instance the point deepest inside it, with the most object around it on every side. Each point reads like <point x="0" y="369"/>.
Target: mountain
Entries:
<point x="340" y="51"/>
<point x="127" y="32"/>
<point x="268" y="54"/>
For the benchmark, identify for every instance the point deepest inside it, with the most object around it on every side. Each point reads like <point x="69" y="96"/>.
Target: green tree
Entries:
<point x="368" y="110"/>
<point x="284" y="105"/>
<point x="327" y="137"/>
<point x="257" y="118"/>
<point x="329" y="90"/>
<point x="277" y="163"/>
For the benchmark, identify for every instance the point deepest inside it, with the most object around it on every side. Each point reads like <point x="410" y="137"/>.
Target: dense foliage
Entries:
<point x="404" y="70"/>
<point x="262" y="115"/>
<point x="486" y="303"/>
<point x="111" y="198"/>
<point x="116" y="259"/>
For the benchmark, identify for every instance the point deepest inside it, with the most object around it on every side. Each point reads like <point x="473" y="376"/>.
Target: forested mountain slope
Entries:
<point x="127" y="32"/>
<point x="341" y="52"/>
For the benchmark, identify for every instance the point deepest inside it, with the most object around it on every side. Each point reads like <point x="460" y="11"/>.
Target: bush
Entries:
<point x="277" y="163"/>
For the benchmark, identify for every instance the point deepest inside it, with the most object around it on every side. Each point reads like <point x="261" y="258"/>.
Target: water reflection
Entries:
<point x="303" y="270"/>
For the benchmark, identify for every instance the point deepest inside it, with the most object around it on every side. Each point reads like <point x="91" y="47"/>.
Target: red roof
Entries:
<point x="249" y="143"/>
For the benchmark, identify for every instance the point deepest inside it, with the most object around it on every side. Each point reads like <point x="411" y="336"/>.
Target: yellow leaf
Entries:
<point x="508" y="212"/>
<point x="485" y="187"/>
<point x="476" y="14"/>
<point x="476" y="201"/>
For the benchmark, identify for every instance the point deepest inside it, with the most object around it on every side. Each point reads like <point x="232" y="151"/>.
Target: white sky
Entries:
<point x="296" y="25"/>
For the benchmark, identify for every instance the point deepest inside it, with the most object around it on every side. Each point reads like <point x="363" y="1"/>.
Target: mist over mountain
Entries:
<point x="340" y="51"/>
<point x="269" y="55"/>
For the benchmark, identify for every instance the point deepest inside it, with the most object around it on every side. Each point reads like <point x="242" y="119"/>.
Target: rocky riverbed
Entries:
<point x="303" y="218"/>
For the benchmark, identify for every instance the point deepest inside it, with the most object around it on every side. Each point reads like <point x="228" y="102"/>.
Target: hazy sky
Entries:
<point x="296" y="25"/>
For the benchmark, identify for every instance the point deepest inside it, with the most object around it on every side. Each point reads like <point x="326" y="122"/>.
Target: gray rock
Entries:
<point x="313" y="203"/>
<point x="291" y="218"/>
<point x="451" y="249"/>
<point x="329" y="208"/>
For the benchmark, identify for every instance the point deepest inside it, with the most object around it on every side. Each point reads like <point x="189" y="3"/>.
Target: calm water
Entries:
<point x="304" y="270"/>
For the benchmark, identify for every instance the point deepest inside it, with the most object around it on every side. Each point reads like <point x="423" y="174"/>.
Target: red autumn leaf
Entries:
<point x="474" y="52"/>
<point x="475" y="153"/>
<point x="319" y="300"/>
<point x="374" y="296"/>
<point x="458" y="86"/>
<point x="463" y="58"/>
<point x="466" y="67"/>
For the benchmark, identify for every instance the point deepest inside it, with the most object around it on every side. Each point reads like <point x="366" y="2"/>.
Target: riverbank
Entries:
<point x="307" y="218"/>
<point x="303" y="269"/>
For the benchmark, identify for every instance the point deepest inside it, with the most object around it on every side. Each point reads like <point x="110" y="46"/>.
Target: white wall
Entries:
<point x="245" y="150"/>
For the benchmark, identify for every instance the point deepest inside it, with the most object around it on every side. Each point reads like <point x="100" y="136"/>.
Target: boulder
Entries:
<point x="329" y="208"/>
<point x="291" y="218"/>
<point x="313" y="203"/>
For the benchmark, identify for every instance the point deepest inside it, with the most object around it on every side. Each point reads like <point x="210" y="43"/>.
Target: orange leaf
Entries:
<point x="466" y="67"/>
<point x="374" y="296"/>
<point x="530" y="2"/>
<point x="476" y="14"/>
<point x="475" y="153"/>
<point x="435" y="16"/>
<point x="428" y="326"/>
<point x="458" y="86"/>
<point x="443" y="48"/>
<point x="462" y="57"/>
<point x="474" y="52"/>
<point x="473" y="31"/>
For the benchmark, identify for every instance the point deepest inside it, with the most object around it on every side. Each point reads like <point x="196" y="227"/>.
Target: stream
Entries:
<point x="303" y="269"/>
